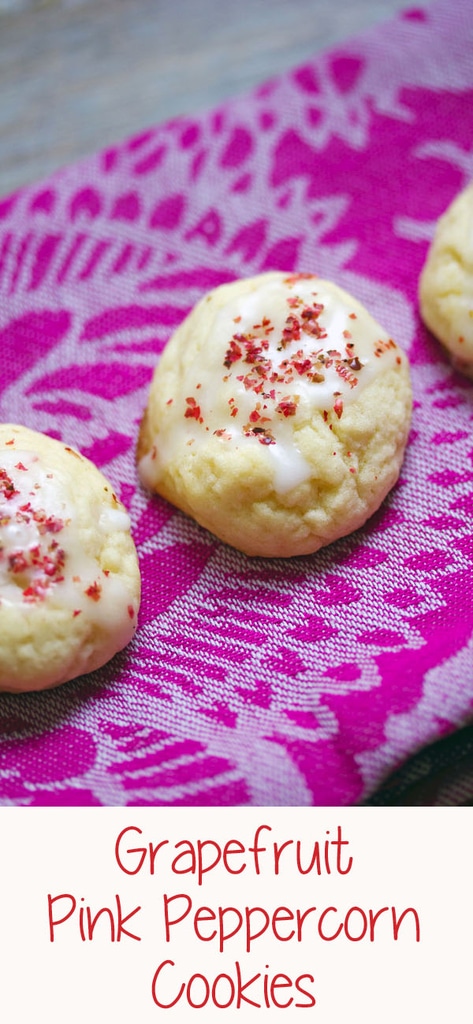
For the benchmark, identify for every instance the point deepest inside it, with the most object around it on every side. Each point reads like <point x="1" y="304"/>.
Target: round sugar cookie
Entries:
<point x="446" y="282"/>
<point x="69" y="576"/>
<point x="278" y="415"/>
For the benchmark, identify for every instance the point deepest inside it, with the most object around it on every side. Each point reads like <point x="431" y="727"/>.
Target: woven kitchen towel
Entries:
<point x="301" y="682"/>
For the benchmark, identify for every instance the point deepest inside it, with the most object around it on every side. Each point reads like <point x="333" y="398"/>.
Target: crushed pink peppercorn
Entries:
<point x="38" y="567"/>
<point x="250" y="359"/>
<point x="384" y="346"/>
<point x="338" y="407"/>
<point x="94" y="591"/>
<point x="288" y="406"/>
<point x="7" y="487"/>
<point x="251" y="348"/>
<point x="193" y="410"/>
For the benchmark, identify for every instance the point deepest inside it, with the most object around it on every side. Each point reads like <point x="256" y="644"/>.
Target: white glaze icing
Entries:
<point x="112" y="519"/>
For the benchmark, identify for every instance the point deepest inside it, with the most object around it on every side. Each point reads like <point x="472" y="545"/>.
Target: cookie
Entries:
<point x="446" y="282"/>
<point x="69" y="576"/>
<point x="277" y="416"/>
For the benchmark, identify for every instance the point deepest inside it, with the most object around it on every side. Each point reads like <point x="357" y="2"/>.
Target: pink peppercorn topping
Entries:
<point x="309" y="363"/>
<point x="7" y="487"/>
<point x="338" y="407"/>
<point x="193" y="410"/>
<point x="38" y="566"/>
<point x="288" y="406"/>
<point x="233" y="354"/>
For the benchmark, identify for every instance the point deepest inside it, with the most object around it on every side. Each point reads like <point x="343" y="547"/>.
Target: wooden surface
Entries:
<point x="78" y="75"/>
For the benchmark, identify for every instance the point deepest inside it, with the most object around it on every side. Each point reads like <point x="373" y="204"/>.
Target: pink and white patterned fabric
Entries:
<point x="252" y="681"/>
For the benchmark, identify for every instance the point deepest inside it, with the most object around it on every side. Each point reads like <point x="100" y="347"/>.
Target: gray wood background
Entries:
<point x="77" y="75"/>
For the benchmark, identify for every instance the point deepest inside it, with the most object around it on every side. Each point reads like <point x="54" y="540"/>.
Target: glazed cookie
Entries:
<point x="446" y="282"/>
<point x="278" y="415"/>
<point x="69" y="576"/>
